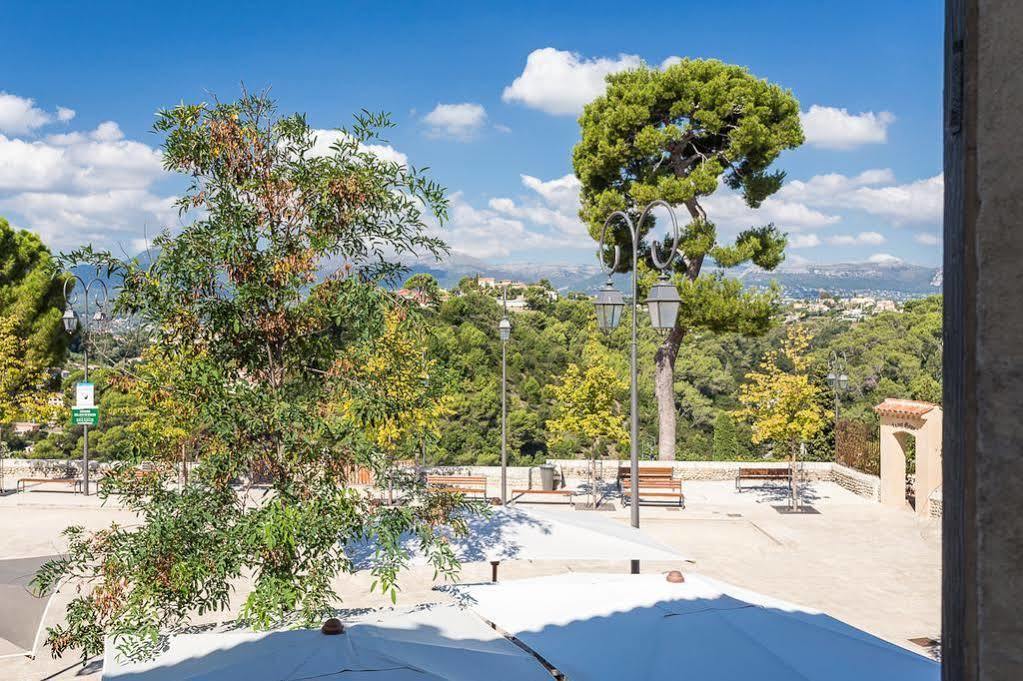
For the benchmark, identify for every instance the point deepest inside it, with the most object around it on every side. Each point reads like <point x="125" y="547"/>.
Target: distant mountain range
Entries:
<point x="890" y="279"/>
<point x="893" y="279"/>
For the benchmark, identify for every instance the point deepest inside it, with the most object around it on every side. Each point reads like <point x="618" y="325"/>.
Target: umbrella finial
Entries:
<point x="676" y="577"/>
<point x="332" y="627"/>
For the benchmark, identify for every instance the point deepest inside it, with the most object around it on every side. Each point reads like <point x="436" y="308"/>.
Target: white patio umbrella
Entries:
<point x="511" y="533"/>
<point x="609" y="626"/>
<point x="21" y="610"/>
<point x="429" y="643"/>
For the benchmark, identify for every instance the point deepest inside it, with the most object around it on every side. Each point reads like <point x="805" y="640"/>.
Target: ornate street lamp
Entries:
<point x="504" y="330"/>
<point x="609" y="304"/>
<point x="839" y="382"/>
<point x="71" y="322"/>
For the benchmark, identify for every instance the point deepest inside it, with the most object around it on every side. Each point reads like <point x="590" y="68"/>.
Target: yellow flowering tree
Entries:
<point x="780" y="400"/>
<point x="390" y="398"/>
<point x="587" y="407"/>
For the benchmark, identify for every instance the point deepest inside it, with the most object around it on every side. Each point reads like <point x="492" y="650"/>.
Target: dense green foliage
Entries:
<point x="893" y="354"/>
<point x="31" y="294"/>
<point x="32" y="338"/>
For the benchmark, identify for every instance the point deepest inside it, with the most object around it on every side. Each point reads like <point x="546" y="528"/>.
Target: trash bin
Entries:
<point x="547" y="477"/>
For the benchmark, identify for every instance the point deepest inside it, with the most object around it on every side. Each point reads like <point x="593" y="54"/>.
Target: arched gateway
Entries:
<point x="901" y="419"/>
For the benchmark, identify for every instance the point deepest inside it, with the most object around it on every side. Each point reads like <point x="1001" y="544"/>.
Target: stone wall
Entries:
<point x="857" y="482"/>
<point x="48" y="468"/>
<point x="575" y="471"/>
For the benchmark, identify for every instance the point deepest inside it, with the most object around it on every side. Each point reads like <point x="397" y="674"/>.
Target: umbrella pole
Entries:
<point x="493" y="570"/>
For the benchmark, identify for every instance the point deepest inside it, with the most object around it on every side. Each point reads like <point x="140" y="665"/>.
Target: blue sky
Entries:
<point x="486" y="95"/>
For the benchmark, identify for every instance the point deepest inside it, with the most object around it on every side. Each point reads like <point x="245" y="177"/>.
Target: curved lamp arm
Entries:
<point x="662" y="265"/>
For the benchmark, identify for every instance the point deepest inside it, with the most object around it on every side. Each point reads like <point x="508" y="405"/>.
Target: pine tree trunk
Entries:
<point x="664" y="389"/>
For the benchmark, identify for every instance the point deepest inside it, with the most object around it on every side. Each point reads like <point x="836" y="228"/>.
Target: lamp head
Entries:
<point x="608" y="304"/>
<point x="663" y="304"/>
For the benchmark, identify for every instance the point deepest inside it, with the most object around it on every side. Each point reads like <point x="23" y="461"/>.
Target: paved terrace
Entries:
<point x="877" y="568"/>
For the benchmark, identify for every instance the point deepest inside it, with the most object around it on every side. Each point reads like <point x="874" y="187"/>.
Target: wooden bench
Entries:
<point x="565" y="494"/>
<point x="469" y="485"/>
<point x="762" y="474"/>
<point x="646" y="473"/>
<point x="654" y="486"/>
<point x="21" y="486"/>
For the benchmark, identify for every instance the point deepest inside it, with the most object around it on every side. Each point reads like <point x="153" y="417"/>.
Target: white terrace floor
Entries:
<point x="876" y="568"/>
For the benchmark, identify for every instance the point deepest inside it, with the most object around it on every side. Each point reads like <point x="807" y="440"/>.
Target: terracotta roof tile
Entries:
<point x="907" y="407"/>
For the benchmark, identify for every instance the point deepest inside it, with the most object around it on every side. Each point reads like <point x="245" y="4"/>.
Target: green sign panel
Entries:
<point x="85" y="416"/>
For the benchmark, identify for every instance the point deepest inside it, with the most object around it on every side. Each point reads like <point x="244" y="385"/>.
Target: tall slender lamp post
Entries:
<point x="71" y="323"/>
<point x="839" y="381"/>
<point x="663" y="304"/>
<point x="504" y="329"/>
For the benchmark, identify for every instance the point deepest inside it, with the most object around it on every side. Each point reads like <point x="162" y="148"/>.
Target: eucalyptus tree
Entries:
<point x="266" y="353"/>
<point x="678" y="134"/>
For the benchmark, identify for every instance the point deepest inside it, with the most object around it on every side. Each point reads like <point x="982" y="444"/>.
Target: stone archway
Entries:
<point x="922" y="421"/>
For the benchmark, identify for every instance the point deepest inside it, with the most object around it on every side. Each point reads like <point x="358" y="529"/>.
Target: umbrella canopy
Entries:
<point x="592" y="626"/>
<point x="511" y="533"/>
<point x="21" y="611"/>
<point x="429" y="643"/>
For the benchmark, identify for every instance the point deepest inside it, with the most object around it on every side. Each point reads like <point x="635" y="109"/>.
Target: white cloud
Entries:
<point x="927" y="239"/>
<point x="861" y="239"/>
<point x="66" y="220"/>
<point x="670" y="61"/>
<point x="544" y="218"/>
<point x="326" y="138"/>
<point x="554" y="204"/>
<point x="492" y="233"/>
<point x="561" y="83"/>
<point x="804" y="241"/>
<point x="829" y="127"/>
<point x="20" y="115"/>
<point x="919" y="201"/>
<point x="86" y="186"/>
<point x="729" y="212"/>
<point x="872" y="191"/>
<point x="457" y="121"/>
<point x="98" y="160"/>
<point x="884" y="259"/>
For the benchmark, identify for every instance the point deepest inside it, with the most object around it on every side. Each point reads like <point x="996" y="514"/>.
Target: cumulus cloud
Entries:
<point x="927" y="239"/>
<point x="884" y="259"/>
<point x="829" y="127"/>
<point x="20" y="115"/>
<point x="76" y="162"/>
<point x="544" y="217"/>
<point x="861" y="239"/>
<point x="804" y="241"/>
<point x="324" y="139"/>
<point x="456" y="121"/>
<point x="493" y="232"/>
<point x="560" y="82"/>
<point x="873" y="191"/>
<point x="85" y="186"/>
<point x="731" y="214"/>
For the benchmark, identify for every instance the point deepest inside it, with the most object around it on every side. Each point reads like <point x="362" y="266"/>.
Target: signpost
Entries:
<point x="85" y="413"/>
<point x="85" y="416"/>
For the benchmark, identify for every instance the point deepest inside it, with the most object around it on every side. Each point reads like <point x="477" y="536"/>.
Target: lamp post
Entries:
<point x="71" y="322"/>
<point x="663" y="305"/>
<point x="504" y="329"/>
<point x="839" y="381"/>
